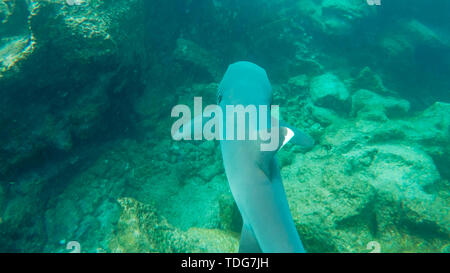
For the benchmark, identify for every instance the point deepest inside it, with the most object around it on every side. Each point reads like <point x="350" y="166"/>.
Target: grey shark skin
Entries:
<point x="253" y="175"/>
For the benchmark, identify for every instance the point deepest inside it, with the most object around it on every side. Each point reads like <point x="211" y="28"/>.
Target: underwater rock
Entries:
<point x="88" y="33"/>
<point x="2" y="199"/>
<point x="197" y="57"/>
<point x="16" y="43"/>
<point x="341" y="16"/>
<point x="70" y="87"/>
<point x="321" y="197"/>
<point x="196" y="203"/>
<point x="402" y="176"/>
<point x="358" y="186"/>
<point x="431" y="129"/>
<point x="208" y="92"/>
<point x="419" y="34"/>
<point x="413" y="47"/>
<point x="308" y="66"/>
<point x="201" y="240"/>
<point x="4" y="12"/>
<point x="335" y="18"/>
<point x="230" y="217"/>
<point x="367" y="79"/>
<point x="53" y="128"/>
<point x="152" y="107"/>
<point x="329" y="92"/>
<point x="14" y="51"/>
<point x="19" y="216"/>
<point x="414" y="169"/>
<point x="342" y="207"/>
<point x="371" y="105"/>
<point x="295" y="88"/>
<point x="82" y="206"/>
<point x="141" y="229"/>
<point x="299" y="83"/>
<point x="407" y="36"/>
<point x="324" y="116"/>
<point x="86" y="210"/>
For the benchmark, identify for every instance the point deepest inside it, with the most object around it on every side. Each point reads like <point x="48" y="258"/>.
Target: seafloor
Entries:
<point x="86" y="90"/>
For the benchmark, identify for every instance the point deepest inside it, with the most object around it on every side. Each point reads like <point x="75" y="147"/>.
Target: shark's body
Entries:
<point x="254" y="175"/>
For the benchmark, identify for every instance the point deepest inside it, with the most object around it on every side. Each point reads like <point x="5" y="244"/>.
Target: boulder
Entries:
<point x="367" y="104"/>
<point x="142" y="229"/>
<point x="324" y="116"/>
<point x="329" y="92"/>
<point x="342" y="202"/>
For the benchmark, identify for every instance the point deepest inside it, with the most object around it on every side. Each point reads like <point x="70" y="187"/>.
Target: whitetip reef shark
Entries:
<point x="253" y="173"/>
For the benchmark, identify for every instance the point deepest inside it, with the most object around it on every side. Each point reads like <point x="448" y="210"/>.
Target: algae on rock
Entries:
<point x="141" y="229"/>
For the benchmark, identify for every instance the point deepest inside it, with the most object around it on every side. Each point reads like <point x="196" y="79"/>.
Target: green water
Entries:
<point x="86" y="92"/>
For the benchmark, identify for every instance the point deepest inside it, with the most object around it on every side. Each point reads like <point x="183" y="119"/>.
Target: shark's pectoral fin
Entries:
<point x="286" y="134"/>
<point x="293" y="135"/>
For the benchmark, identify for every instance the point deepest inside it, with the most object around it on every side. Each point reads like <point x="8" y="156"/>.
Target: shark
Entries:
<point x="253" y="173"/>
